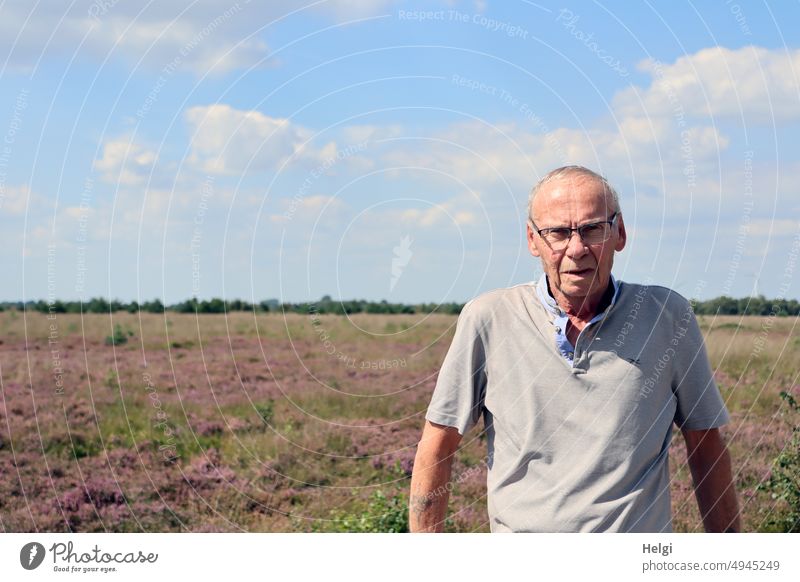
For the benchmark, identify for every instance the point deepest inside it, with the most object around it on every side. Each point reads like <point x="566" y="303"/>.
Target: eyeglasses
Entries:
<point x="591" y="234"/>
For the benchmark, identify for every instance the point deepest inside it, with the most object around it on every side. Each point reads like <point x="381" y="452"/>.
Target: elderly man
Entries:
<point x="579" y="379"/>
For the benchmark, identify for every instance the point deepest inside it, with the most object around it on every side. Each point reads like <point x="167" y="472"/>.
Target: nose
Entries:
<point x="575" y="246"/>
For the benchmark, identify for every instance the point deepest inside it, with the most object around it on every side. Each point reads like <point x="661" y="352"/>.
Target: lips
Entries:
<point x="580" y="272"/>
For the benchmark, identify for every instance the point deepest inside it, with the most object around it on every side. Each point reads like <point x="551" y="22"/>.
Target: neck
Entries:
<point x="583" y="308"/>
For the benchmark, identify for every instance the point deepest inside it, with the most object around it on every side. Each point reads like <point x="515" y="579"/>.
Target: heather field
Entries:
<point x="294" y="423"/>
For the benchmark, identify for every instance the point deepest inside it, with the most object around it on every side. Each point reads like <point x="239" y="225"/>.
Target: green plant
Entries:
<point x="783" y="484"/>
<point x="112" y="380"/>
<point x="74" y="444"/>
<point x="178" y="345"/>
<point x="119" y="336"/>
<point x="266" y="411"/>
<point x="337" y="443"/>
<point x="381" y="515"/>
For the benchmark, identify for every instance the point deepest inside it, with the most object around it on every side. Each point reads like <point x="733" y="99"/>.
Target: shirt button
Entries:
<point x="558" y="329"/>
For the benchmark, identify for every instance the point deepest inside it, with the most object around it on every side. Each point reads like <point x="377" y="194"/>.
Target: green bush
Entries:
<point x="266" y="411"/>
<point x="119" y="336"/>
<point x="784" y="482"/>
<point x="381" y="515"/>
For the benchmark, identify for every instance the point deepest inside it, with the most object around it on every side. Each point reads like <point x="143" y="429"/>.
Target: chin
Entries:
<point x="574" y="291"/>
<point x="578" y="290"/>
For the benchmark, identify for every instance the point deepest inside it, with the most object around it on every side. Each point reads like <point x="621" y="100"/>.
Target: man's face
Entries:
<point x="579" y="270"/>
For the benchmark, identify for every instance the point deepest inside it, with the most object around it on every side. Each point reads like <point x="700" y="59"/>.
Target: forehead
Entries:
<point x="572" y="197"/>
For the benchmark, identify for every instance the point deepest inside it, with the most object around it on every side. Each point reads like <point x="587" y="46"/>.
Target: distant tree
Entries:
<point x="188" y="306"/>
<point x="97" y="305"/>
<point x="724" y="305"/>
<point x="270" y="305"/>
<point x="793" y="307"/>
<point x="216" y="305"/>
<point x="154" y="306"/>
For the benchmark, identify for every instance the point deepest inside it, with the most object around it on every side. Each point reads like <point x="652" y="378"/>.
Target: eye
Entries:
<point x="558" y="233"/>
<point x="590" y="229"/>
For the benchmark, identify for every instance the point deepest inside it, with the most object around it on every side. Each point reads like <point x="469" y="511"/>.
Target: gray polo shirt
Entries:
<point x="581" y="447"/>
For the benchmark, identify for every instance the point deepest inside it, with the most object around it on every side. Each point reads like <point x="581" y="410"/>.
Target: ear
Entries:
<point x="622" y="236"/>
<point x="532" y="240"/>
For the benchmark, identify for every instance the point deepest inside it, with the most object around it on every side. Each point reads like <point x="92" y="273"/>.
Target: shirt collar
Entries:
<point x="551" y="305"/>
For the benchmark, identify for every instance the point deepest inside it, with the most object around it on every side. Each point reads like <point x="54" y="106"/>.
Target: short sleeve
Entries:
<point x="461" y="386"/>
<point x="700" y="404"/>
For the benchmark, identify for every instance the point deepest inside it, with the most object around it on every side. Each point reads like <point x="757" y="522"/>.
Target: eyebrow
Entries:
<point x="593" y="221"/>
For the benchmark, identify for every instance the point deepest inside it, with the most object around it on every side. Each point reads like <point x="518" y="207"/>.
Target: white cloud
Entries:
<point x="228" y="140"/>
<point x="199" y="36"/>
<point x="356" y="134"/>
<point x="463" y="208"/>
<point x="308" y="209"/>
<point x="778" y="227"/>
<point x="753" y="82"/>
<point x="125" y="162"/>
<point x="471" y="151"/>
<point x="214" y="45"/>
<point x="443" y="214"/>
<point x="437" y="215"/>
<point x="319" y="202"/>
<point x="15" y="199"/>
<point x="475" y="152"/>
<point x="662" y="138"/>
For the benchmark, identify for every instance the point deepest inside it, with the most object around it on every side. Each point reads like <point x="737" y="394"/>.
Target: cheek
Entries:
<point x="606" y="256"/>
<point x="551" y="263"/>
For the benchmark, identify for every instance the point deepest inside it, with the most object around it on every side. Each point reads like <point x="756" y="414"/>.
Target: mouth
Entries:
<point x="580" y="272"/>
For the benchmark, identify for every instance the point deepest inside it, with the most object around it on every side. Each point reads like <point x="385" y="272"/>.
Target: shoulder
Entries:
<point x="499" y="303"/>
<point x="658" y="301"/>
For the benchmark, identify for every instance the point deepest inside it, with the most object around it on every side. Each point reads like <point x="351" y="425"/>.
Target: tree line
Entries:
<point x="718" y="306"/>
<point x="747" y="306"/>
<point x="325" y="305"/>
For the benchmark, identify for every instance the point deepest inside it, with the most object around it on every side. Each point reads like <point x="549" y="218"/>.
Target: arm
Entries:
<point x="427" y="503"/>
<point x="710" y="464"/>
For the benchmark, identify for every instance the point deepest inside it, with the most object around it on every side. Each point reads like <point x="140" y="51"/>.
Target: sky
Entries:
<point x="386" y="150"/>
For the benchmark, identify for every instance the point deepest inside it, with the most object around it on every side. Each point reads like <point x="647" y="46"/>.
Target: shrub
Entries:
<point x="118" y="337"/>
<point x="266" y="411"/>
<point x="784" y="482"/>
<point x="381" y="515"/>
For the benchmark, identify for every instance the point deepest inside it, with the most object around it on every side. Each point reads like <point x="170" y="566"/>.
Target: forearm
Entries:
<point x="710" y="464"/>
<point x="429" y="493"/>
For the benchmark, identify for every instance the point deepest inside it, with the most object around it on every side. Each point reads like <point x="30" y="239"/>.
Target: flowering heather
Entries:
<point x="255" y="424"/>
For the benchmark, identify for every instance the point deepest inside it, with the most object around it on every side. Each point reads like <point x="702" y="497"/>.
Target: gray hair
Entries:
<point x="572" y="172"/>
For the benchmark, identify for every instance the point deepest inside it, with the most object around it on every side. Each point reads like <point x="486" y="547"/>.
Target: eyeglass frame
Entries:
<point x="577" y="229"/>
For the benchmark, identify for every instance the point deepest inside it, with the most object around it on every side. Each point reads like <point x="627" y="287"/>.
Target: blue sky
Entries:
<point x="385" y="150"/>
